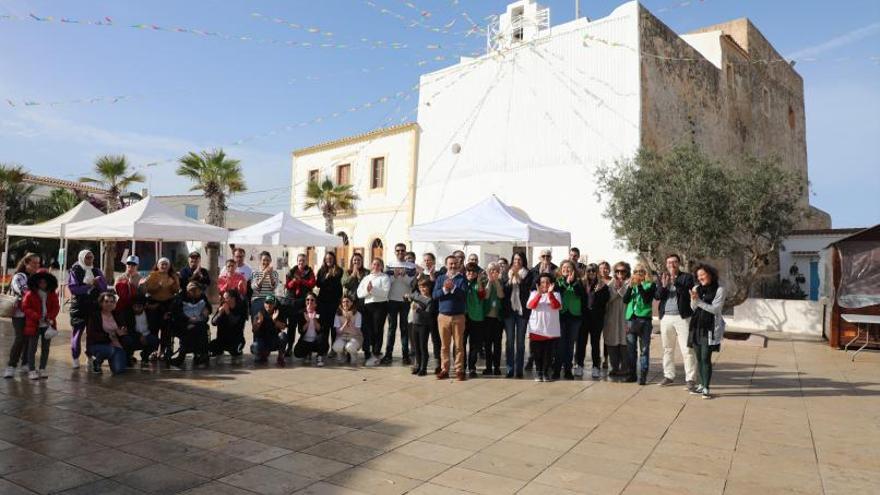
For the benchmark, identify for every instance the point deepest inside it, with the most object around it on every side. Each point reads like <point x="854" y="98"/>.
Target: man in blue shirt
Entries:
<point x="450" y="292"/>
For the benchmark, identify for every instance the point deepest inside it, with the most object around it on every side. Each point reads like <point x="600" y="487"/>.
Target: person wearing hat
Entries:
<point x="229" y="319"/>
<point x="190" y="314"/>
<point x="269" y="336"/>
<point x="40" y="306"/>
<point x="128" y="285"/>
<point x="193" y="272"/>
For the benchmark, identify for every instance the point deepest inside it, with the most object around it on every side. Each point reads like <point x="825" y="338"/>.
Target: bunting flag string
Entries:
<point x="420" y="23"/>
<point x="109" y="22"/>
<point x="97" y="99"/>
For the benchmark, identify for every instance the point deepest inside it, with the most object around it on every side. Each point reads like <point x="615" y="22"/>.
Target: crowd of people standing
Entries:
<point x="335" y="313"/>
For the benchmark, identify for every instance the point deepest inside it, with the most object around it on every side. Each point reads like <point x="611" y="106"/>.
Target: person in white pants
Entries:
<point x="675" y="314"/>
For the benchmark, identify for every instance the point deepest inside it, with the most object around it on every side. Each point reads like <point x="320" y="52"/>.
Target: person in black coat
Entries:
<point x="517" y="287"/>
<point x="229" y="319"/>
<point x="673" y="295"/>
<point x="329" y="283"/>
<point x="597" y="296"/>
<point x="193" y="272"/>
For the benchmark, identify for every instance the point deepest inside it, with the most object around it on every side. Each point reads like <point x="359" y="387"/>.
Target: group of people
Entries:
<point x="335" y="313"/>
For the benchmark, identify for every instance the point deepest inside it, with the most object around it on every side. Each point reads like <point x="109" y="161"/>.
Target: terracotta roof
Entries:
<point x="827" y="231"/>
<point x="64" y="184"/>
<point x="384" y="131"/>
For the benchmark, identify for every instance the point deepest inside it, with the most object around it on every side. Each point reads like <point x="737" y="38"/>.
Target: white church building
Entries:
<point x="532" y="119"/>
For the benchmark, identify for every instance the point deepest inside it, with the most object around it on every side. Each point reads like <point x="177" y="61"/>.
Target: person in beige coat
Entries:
<point x="614" y="331"/>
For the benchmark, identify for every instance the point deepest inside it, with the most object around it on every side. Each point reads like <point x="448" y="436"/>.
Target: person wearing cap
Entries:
<point x="269" y="336"/>
<point x="194" y="272"/>
<point x="229" y="319"/>
<point x="139" y="336"/>
<point x="128" y="285"/>
<point x="40" y="307"/>
<point x="190" y="314"/>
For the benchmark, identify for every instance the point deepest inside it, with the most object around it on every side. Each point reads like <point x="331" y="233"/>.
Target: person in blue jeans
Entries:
<point x="517" y="288"/>
<point x="569" y="285"/>
<point x="638" y="298"/>
<point x="103" y="333"/>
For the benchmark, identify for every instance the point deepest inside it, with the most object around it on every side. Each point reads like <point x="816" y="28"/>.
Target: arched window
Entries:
<point x="377" y="250"/>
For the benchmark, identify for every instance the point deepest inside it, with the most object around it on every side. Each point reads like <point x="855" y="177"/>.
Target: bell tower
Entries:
<point x="522" y="22"/>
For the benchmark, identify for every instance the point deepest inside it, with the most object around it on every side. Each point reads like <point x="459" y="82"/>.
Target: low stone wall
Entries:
<point x="778" y="315"/>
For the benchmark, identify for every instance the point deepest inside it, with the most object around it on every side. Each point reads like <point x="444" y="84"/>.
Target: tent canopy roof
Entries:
<point x="489" y="221"/>
<point x="148" y="219"/>
<point x="56" y="227"/>
<point x="283" y="230"/>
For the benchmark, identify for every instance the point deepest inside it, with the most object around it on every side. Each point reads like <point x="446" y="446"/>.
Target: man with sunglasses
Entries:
<point x="546" y="265"/>
<point x="673" y="292"/>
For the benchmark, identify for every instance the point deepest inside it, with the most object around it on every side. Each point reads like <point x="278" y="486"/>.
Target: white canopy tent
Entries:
<point x="283" y="230"/>
<point x="51" y="229"/>
<point x="489" y="221"/>
<point x="146" y="220"/>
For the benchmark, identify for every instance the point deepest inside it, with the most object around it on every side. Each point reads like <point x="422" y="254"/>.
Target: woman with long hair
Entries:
<point x="638" y="298"/>
<point x="27" y="266"/>
<point x="160" y="287"/>
<point x="596" y="299"/>
<point x="614" y="331"/>
<point x="103" y="336"/>
<point x="329" y="283"/>
<point x="85" y="283"/>
<point x="299" y="282"/>
<point x="707" y="325"/>
<point x="373" y="290"/>
<point x="571" y="289"/>
<point x="517" y="288"/>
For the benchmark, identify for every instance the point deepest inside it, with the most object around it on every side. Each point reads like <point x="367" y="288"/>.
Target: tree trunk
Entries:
<point x="108" y="263"/>
<point x="212" y="249"/>
<point x="328" y="222"/>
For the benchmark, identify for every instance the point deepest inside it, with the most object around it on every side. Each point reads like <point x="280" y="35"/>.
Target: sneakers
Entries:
<point x="331" y="354"/>
<point x="539" y="378"/>
<point x="34" y="375"/>
<point x="578" y="371"/>
<point x="665" y="382"/>
<point x="596" y="373"/>
<point x="43" y="374"/>
<point x="74" y="363"/>
<point x="386" y="360"/>
<point x="9" y="372"/>
<point x="706" y="394"/>
<point x="319" y="361"/>
<point x="643" y="380"/>
<point x="373" y="361"/>
<point x="95" y="366"/>
<point x="698" y="390"/>
<point x="690" y="385"/>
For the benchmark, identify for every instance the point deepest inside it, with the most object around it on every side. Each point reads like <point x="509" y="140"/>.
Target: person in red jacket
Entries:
<point x="127" y="286"/>
<point x="300" y="281"/>
<point x="230" y="279"/>
<point x="40" y="307"/>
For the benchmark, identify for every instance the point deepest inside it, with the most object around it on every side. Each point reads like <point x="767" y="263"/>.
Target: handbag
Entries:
<point x="50" y="333"/>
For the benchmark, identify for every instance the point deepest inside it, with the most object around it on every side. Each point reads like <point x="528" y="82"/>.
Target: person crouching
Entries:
<point x="190" y="313"/>
<point x="229" y="320"/>
<point x="348" y="330"/>
<point x="269" y="336"/>
<point x="139" y="336"/>
<point x="312" y="337"/>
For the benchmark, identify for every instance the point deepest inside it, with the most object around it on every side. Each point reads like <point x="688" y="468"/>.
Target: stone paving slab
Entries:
<point x="794" y="417"/>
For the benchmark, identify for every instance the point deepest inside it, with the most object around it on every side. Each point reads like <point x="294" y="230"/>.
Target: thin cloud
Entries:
<point x="837" y="42"/>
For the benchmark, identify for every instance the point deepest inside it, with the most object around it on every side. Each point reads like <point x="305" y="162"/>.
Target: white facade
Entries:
<point x="383" y="213"/>
<point x="800" y="257"/>
<point x="530" y="123"/>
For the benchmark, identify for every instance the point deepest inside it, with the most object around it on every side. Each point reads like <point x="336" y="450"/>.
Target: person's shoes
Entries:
<point x="578" y="371"/>
<point x="280" y="362"/>
<point x="319" y="361"/>
<point x="554" y="375"/>
<point x="95" y="366"/>
<point x="9" y="372"/>
<point x="530" y="364"/>
<point x="414" y="371"/>
<point x="642" y="380"/>
<point x="569" y="375"/>
<point x="437" y="370"/>
<point x="690" y="385"/>
<point x="497" y="372"/>
<point x="487" y="372"/>
<point x="386" y="360"/>
<point x="539" y="378"/>
<point x="178" y="361"/>
<point x="43" y="374"/>
<point x="74" y="363"/>
<point x="665" y="382"/>
<point x="706" y="394"/>
<point x="331" y="354"/>
<point x="510" y="374"/>
<point x="473" y="374"/>
<point x="422" y="373"/>
<point x="697" y="390"/>
<point x="616" y="373"/>
<point x="287" y="354"/>
<point x="442" y="375"/>
<point x="34" y="375"/>
<point x="630" y="379"/>
<point x="597" y="373"/>
<point x="519" y="376"/>
<point x="460" y="376"/>
<point x="406" y="360"/>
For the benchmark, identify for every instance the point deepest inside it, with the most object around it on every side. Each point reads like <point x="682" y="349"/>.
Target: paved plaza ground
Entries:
<point x="794" y="417"/>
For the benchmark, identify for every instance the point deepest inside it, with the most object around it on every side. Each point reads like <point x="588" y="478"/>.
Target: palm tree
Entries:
<point x="330" y="198"/>
<point x="57" y="203"/>
<point x="11" y="176"/>
<point x="217" y="176"/>
<point x="113" y="175"/>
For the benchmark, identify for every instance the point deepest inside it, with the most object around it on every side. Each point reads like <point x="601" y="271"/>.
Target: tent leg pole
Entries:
<point x="132" y="246"/>
<point x="5" y="260"/>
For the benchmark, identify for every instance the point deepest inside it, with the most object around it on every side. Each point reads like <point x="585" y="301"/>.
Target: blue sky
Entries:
<point x="184" y="91"/>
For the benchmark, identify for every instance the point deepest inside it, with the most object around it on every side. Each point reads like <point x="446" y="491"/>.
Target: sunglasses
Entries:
<point x="619" y="271"/>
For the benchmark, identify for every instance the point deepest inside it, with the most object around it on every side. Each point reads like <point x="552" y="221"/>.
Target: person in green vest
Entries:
<point x="570" y="287"/>
<point x="638" y="297"/>
<point x="475" y="313"/>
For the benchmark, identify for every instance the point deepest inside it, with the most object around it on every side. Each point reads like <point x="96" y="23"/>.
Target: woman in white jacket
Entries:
<point x="707" y="325"/>
<point x="373" y="290"/>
